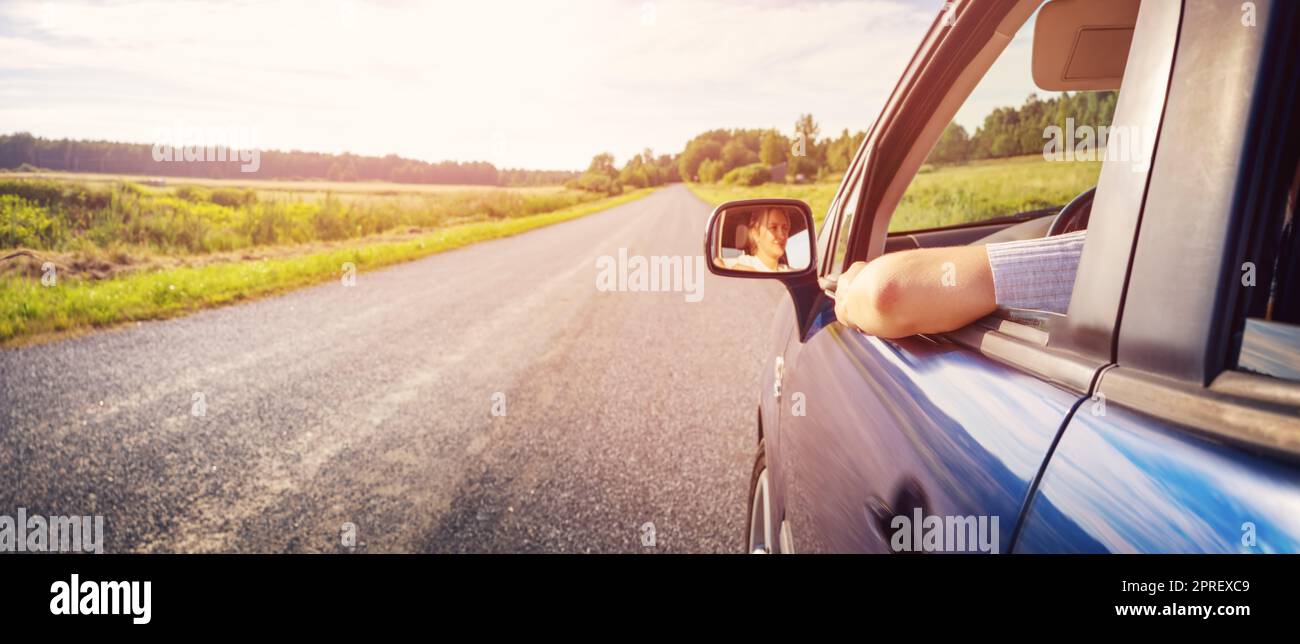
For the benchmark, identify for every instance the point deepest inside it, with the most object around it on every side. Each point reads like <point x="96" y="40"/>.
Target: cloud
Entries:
<point x="534" y="84"/>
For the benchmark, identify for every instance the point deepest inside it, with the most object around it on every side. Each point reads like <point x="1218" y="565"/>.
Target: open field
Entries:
<point x="948" y="195"/>
<point x="187" y="219"/>
<point x="120" y="251"/>
<point x="278" y="185"/>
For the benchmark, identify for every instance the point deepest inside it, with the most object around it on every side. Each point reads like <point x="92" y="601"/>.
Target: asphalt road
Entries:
<point x="373" y="405"/>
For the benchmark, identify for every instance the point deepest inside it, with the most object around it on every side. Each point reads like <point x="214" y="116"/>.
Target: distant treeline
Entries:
<point x="23" y="149"/>
<point x="750" y="156"/>
<point x="1010" y="131"/>
<point x="743" y="156"/>
<point x="643" y="170"/>
<point x="514" y="177"/>
<point x="755" y="156"/>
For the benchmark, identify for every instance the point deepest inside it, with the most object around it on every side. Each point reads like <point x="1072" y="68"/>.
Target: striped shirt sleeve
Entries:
<point x="1036" y="273"/>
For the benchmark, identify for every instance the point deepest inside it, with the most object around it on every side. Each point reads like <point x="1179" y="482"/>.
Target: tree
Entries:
<point x="805" y="132"/>
<point x="711" y="171"/>
<point x="697" y="152"/>
<point x="138" y="158"/>
<point x="952" y="145"/>
<point x="667" y="164"/>
<point x="773" y="148"/>
<point x="634" y="173"/>
<point x="601" y="176"/>
<point x="603" y="164"/>
<point x="839" y="153"/>
<point x="736" y="154"/>
<point x="343" y="170"/>
<point x="749" y="175"/>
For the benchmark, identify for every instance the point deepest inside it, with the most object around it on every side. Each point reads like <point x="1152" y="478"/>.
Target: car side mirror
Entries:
<point x="767" y="238"/>
<point x="761" y="238"/>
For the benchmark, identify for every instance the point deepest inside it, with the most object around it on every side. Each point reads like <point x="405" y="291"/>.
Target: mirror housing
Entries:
<point x="800" y="274"/>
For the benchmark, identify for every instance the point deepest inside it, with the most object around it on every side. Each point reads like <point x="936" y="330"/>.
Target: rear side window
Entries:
<point x="1270" y="340"/>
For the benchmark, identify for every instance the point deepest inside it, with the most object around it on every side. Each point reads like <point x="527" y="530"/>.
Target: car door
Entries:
<point x="1191" y="444"/>
<point x="896" y="435"/>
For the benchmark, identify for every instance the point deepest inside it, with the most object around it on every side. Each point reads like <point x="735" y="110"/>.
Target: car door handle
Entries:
<point x="907" y="498"/>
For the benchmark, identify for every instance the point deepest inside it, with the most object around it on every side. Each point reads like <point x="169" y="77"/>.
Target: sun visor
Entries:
<point x="1082" y="45"/>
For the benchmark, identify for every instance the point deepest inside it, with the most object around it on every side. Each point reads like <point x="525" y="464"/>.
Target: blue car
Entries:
<point x="1161" y="412"/>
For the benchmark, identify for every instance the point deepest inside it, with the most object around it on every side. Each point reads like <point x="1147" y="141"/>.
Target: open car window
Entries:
<point x="1270" y="335"/>
<point x="1013" y="152"/>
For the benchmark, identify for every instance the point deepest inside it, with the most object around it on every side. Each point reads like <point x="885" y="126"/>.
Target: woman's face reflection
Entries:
<point x="769" y="236"/>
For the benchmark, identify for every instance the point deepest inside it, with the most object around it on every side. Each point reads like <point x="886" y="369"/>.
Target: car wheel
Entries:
<point x="759" y="533"/>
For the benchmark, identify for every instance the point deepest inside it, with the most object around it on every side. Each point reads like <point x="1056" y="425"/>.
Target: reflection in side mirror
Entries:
<point x="761" y="236"/>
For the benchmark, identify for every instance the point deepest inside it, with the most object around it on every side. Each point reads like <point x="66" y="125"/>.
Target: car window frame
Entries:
<point x="1175" y="346"/>
<point x="835" y="219"/>
<point x="1059" y="350"/>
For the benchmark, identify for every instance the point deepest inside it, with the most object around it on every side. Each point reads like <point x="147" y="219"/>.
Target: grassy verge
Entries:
<point x="947" y="195"/>
<point x="189" y="219"/>
<point x="30" y="311"/>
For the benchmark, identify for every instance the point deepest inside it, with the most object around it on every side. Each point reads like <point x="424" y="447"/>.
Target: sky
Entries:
<point x="539" y="84"/>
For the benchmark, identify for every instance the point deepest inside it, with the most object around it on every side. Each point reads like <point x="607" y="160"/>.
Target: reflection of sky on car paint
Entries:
<point x="958" y="371"/>
<point x="1128" y="487"/>
<point x="924" y="422"/>
<point x="984" y="446"/>
<point x="1137" y="489"/>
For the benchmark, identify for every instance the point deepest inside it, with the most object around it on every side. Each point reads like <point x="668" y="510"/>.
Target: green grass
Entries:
<point x="947" y="195"/>
<point x="985" y="189"/>
<point x="67" y="214"/>
<point x="262" y="186"/>
<point x="28" y="309"/>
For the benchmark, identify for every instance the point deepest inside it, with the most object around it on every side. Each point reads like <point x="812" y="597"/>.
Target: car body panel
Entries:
<point x="981" y="422"/>
<point x="1180" y="453"/>
<point x="918" y="422"/>
<point x="1124" y="482"/>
